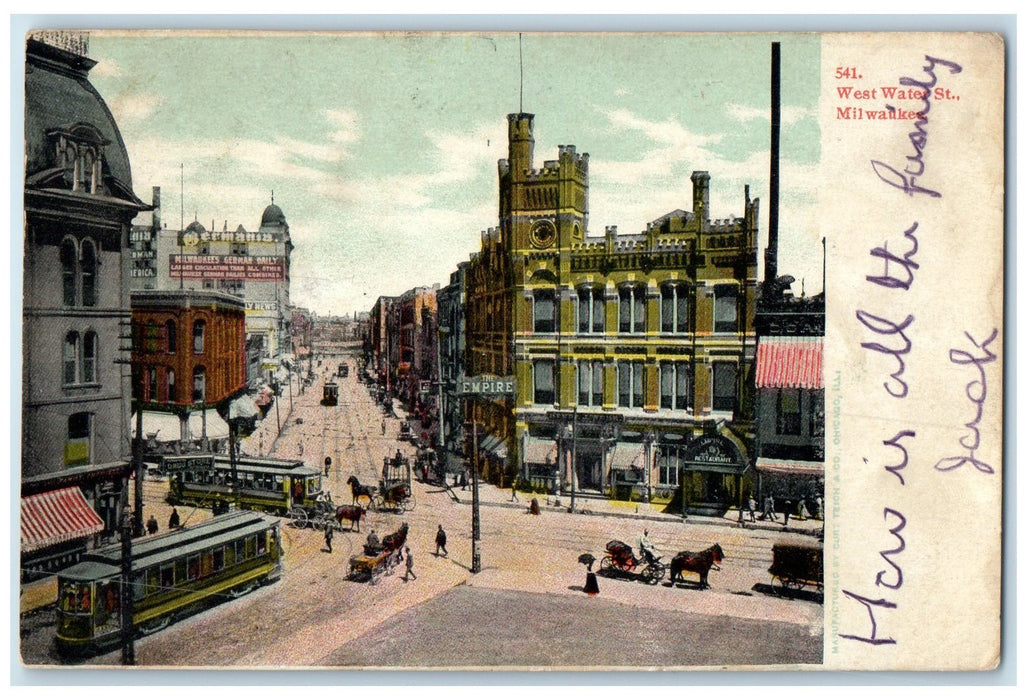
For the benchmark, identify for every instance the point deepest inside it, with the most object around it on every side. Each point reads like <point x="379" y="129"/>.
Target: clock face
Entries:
<point x="543" y="234"/>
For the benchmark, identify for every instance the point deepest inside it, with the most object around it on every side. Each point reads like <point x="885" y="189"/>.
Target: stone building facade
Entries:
<point x="76" y="382"/>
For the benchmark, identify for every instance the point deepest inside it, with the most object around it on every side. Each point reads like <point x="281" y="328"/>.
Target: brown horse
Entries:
<point x="351" y="513"/>
<point x="359" y="490"/>
<point x="697" y="562"/>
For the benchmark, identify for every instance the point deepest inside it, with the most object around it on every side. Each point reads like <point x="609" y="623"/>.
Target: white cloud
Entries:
<point x="789" y="115"/>
<point x="133" y="107"/>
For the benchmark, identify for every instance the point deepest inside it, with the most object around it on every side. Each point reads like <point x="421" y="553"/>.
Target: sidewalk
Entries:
<point x="492" y="496"/>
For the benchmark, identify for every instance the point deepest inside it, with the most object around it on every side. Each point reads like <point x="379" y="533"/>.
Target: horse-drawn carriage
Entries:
<point x="379" y="561"/>
<point x="405" y="433"/>
<point x="795" y="566"/>
<point x="620" y="559"/>
<point x="394" y="492"/>
<point x="323" y="513"/>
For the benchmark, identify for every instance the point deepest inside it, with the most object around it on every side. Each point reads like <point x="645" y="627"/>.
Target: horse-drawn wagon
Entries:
<point x="376" y="562"/>
<point x="795" y="566"/>
<point x="620" y="559"/>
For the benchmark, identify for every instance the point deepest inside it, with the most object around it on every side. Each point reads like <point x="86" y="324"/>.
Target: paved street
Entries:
<point x="529" y="590"/>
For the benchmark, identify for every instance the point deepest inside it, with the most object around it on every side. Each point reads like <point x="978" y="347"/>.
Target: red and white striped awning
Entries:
<point x="789" y="467"/>
<point x="790" y="362"/>
<point x="56" y="516"/>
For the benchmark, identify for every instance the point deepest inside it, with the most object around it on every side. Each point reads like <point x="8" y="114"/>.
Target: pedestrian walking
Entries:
<point x="440" y="542"/>
<point x="752" y="509"/>
<point x="820" y="508"/>
<point x="591" y="582"/>
<point x="301" y="449"/>
<point x="383" y="426"/>
<point x="174" y="521"/>
<point x="329" y="532"/>
<point x="410" y="566"/>
<point x="768" y="509"/>
<point x="151" y="525"/>
<point x="513" y="491"/>
<point x="802" y="513"/>
<point x="788" y="511"/>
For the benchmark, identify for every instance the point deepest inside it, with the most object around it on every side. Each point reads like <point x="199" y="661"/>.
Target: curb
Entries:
<point x="719" y="522"/>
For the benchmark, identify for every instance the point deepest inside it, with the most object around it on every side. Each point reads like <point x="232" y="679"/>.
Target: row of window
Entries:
<point x="675" y="309"/>
<point x="675" y="384"/>
<point x="154" y="341"/>
<point x="158" y="385"/>
<point x="165" y="578"/>
<point x="789" y="412"/>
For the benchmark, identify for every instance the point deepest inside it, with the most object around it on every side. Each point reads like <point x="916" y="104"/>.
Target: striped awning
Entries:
<point x="789" y="467"/>
<point x="56" y="516"/>
<point x="790" y="362"/>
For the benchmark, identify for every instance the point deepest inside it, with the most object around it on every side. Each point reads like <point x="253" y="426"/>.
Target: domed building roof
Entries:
<point x="59" y="99"/>
<point x="273" y="215"/>
<point x="195" y="227"/>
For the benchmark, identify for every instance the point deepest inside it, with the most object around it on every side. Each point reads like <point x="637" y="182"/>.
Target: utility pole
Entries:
<point x="475" y="515"/>
<point x="128" y="655"/>
<point x="574" y="452"/>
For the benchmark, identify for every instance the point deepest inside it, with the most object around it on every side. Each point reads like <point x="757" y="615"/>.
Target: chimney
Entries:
<point x="155" y="201"/>
<point x="770" y="255"/>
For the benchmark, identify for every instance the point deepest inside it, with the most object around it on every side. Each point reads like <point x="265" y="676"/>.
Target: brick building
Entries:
<point x="633" y="353"/>
<point x="188" y="361"/>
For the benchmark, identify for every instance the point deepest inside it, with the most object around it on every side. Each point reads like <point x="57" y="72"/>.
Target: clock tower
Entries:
<point x="545" y="208"/>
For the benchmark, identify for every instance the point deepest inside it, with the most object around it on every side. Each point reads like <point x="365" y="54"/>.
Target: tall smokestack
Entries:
<point x="770" y="255"/>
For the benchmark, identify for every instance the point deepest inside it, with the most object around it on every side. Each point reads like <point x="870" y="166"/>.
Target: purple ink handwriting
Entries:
<point x="977" y="392"/>
<point x="906" y="179"/>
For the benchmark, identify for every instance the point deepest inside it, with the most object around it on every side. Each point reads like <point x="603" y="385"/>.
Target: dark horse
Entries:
<point x="351" y="513"/>
<point x="358" y="489"/>
<point x="697" y="562"/>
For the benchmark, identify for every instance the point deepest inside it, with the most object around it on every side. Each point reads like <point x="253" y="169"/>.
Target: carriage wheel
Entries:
<point x="319" y="522"/>
<point x="785" y="585"/>
<point x="298" y="517"/>
<point x="606" y="564"/>
<point x="409" y="504"/>
<point x="653" y="573"/>
<point x="378" y="504"/>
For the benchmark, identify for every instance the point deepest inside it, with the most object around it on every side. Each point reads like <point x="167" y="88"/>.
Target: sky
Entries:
<point x="381" y="150"/>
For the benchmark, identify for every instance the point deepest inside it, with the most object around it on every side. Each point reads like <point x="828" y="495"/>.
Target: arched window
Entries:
<point x="151" y="338"/>
<point x="632" y="309"/>
<point x="199" y="384"/>
<point x="69" y="358"/>
<point x="172" y="397"/>
<point x="68" y="271"/>
<point x="88" y="272"/>
<point x="198" y="330"/>
<point x="89" y="355"/>
<point x="170" y="337"/>
<point x="151" y="383"/>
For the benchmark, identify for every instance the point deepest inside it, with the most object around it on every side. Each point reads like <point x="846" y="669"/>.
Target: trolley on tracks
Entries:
<point x="270" y="485"/>
<point x="172" y="576"/>
<point x="330" y="394"/>
<point x="395" y="490"/>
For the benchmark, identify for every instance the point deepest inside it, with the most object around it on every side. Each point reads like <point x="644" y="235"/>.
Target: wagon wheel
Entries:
<point x="298" y="517"/>
<point x="606" y="564"/>
<point x="785" y="585"/>
<point x="377" y="504"/>
<point x="409" y="504"/>
<point x="319" y="521"/>
<point x="653" y="573"/>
